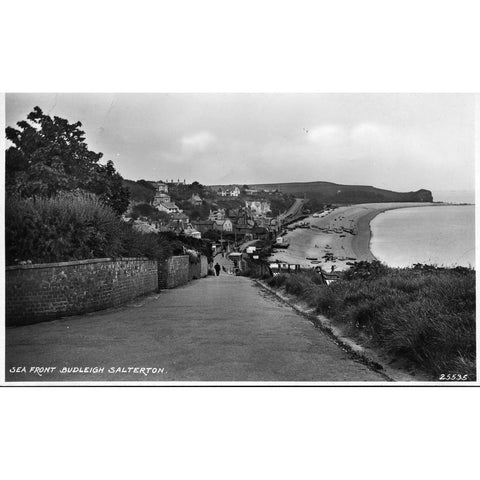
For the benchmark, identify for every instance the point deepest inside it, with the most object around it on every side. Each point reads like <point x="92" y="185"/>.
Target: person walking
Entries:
<point x="217" y="269"/>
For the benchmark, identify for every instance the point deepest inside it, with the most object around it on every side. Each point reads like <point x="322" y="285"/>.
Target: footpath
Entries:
<point x="221" y="328"/>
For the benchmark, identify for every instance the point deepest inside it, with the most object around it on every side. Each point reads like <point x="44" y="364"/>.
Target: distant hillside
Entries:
<point x="327" y="192"/>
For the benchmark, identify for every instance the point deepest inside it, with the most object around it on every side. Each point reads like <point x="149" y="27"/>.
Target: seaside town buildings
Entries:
<point x="258" y="207"/>
<point x="252" y="220"/>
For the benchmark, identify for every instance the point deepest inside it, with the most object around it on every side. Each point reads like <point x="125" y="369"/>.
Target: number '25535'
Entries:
<point x="453" y="376"/>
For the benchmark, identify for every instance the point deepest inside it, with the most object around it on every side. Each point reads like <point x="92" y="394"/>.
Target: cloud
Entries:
<point x="198" y="142"/>
<point x="325" y="134"/>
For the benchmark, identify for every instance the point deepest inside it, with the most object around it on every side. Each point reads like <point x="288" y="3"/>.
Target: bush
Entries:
<point x="70" y="226"/>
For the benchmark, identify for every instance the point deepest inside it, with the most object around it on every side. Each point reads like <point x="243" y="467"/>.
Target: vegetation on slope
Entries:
<point x="70" y="226"/>
<point x="140" y="191"/>
<point x="423" y="315"/>
<point x="327" y="192"/>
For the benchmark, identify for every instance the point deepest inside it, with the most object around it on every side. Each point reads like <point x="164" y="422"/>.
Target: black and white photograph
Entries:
<point x="239" y="240"/>
<point x="240" y="237"/>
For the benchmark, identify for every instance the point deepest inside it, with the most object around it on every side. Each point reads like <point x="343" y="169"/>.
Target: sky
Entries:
<point x="402" y="142"/>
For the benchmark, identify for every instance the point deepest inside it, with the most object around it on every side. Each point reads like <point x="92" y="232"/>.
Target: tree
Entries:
<point x="146" y="210"/>
<point x="50" y="155"/>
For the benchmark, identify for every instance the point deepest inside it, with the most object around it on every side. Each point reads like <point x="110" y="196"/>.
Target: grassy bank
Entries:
<point x="424" y="316"/>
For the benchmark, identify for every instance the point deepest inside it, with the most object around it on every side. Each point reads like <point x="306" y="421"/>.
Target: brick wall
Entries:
<point x="174" y="272"/>
<point x="36" y="293"/>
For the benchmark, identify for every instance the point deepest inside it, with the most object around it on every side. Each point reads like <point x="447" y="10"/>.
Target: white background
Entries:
<point x="211" y="46"/>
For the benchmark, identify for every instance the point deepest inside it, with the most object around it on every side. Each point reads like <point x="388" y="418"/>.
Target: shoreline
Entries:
<point x="363" y="241"/>
<point x="338" y="237"/>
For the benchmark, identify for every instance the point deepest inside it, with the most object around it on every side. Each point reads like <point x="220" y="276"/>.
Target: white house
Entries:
<point x="168" y="207"/>
<point x="192" y="232"/>
<point x="227" y="225"/>
<point x="162" y="187"/>
<point x="258" y="207"/>
<point x="229" y="192"/>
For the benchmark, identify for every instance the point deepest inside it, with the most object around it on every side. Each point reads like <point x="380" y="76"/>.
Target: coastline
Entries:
<point x="329" y="238"/>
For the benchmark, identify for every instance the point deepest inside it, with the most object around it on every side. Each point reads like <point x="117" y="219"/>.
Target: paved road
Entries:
<point x="216" y="329"/>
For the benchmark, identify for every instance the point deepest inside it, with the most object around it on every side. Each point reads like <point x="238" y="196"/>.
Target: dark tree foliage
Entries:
<point x="140" y="192"/>
<point x="50" y="155"/>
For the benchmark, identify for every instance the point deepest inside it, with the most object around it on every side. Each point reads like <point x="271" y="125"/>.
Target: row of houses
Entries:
<point x="254" y="191"/>
<point x="178" y="223"/>
<point x="239" y="222"/>
<point x="233" y="191"/>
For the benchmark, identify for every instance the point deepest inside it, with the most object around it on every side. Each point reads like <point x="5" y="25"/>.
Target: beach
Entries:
<point x="337" y="237"/>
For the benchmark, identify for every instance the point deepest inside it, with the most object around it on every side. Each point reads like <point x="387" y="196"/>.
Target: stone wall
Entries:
<point x="198" y="270"/>
<point x="174" y="272"/>
<point x="36" y="293"/>
<point x="194" y="271"/>
<point x="203" y="266"/>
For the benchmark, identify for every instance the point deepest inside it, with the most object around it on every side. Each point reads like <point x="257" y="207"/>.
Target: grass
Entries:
<point x="424" y="316"/>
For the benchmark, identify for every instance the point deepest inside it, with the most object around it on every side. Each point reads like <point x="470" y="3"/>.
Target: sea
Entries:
<point x="436" y="235"/>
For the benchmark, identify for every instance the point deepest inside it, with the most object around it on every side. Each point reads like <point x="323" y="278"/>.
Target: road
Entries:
<point x="294" y="210"/>
<point x="222" y="328"/>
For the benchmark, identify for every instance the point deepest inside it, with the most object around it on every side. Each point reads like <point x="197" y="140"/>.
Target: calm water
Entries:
<point x="434" y="235"/>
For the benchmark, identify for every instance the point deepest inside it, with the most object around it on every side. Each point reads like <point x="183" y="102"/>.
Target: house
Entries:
<point x="162" y="187"/>
<point x="259" y="207"/>
<point x="218" y="225"/>
<point x="145" y="226"/>
<point x="161" y="197"/>
<point x="227" y="225"/>
<point x="261" y="233"/>
<point x="168" y="207"/>
<point x="270" y="191"/>
<point x="180" y="217"/>
<point x="217" y="214"/>
<point x="192" y="232"/>
<point x="229" y="192"/>
<point x="263" y="221"/>
<point x="203" y="225"/>
<point x="178" y="223"/>
<point x="195" y="200"/>
<point x="178" y="182"/>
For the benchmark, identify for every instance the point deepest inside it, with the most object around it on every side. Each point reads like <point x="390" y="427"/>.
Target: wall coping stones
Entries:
<point x="76" y="262"/>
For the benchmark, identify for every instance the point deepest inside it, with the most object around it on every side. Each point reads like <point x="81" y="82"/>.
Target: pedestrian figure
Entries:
<point x="332" y="268"/>
<point x="217" y="269"/>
